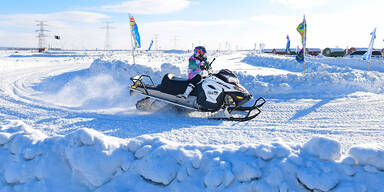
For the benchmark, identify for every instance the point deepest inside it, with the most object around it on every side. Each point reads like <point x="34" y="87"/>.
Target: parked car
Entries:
<point x="359" y="54"/>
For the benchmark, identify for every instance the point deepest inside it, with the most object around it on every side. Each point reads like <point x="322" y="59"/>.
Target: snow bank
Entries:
<point x="88" y="160"/>
<point x="325" y="77"/>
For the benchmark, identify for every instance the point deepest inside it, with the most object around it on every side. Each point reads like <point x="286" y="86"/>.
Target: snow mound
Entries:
<point x="323" y="148"/>
<point x="369" y="154"/>
<point x="325" y="77"/>
<point x="89" y="160"/>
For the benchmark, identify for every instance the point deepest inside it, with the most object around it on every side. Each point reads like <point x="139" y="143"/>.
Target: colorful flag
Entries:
<point x="135" y="32"/>
<point x="302" y="29"/>
<point x="150" y="45"/>
<point x="367" y="55"/>
<point x="300" y="56"/>
<point x="288" y="44"/>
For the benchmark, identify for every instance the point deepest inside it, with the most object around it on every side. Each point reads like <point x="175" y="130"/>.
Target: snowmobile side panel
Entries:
<point x="203" y="101"/>
<point x="189" y="103"/>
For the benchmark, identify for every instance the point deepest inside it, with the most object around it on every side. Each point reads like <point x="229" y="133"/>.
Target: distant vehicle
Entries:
<point x="359" y="54"/>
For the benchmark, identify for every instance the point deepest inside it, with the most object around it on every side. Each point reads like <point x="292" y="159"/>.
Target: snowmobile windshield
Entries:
<point x="228" y="76"/>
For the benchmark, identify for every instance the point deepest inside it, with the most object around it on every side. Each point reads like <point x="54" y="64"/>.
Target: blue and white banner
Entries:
<point x="135" y="33"/>
<point x="288" y="44"/>
<point x="150" y="45"/>
<point x="367" y="55"/>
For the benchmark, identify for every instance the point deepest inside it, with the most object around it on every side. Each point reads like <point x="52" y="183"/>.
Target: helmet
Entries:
<point x="200" y="52"/>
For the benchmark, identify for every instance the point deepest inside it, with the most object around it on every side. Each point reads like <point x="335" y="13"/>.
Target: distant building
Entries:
<point x="267" y="50"/>
<point x="279" y="51"/>
<point x="292" y="51"/>
<point x="333" y="52"/>
<point x="42" y="50"/>
<point x="313" y="51"/>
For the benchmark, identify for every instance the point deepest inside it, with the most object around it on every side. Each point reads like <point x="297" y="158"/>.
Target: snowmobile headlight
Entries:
<point x="133" y="87"/>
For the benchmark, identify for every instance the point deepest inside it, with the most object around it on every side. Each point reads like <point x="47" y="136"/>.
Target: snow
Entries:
<point x="68" y="123"/>
<point x="369" y="154"/>
<point x="323" y="148"/>
<point x="88" y="160"/>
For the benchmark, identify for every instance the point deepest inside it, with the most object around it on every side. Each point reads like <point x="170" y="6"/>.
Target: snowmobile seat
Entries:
<point x="173" y="85"/>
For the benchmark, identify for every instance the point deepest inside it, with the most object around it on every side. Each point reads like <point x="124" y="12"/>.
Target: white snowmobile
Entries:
<point x="219" y="94"/>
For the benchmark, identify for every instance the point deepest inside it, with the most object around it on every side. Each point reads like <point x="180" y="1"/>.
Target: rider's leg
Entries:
<point x="192" y="84"/>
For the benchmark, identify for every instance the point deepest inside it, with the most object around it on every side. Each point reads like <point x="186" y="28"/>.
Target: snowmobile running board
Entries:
<point x="247" y="117"/>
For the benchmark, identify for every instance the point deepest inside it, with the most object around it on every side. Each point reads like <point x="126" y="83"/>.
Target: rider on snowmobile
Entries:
<point x="197" y="63"/>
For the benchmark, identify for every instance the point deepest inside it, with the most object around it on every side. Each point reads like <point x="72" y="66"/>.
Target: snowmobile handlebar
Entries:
<point x="209" y="66"/>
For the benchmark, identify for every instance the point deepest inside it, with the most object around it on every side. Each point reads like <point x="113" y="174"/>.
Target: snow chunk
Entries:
<point x="134" y="144"/>
<point x="160" y="166"/>
<point x="95" y="163"/>
<point x="4" y="137"/>
<point x="349" y="161"/>
<point x="31" y="153"/>
<point x="325" y="149"/>
<point x="86" y="137"/>
<point x="371" y="169"/>
<point x="143" y="151"/>
<point x="244" y="171"/>
<point x="214" y="177"/>
<point x="369" y="154"/>
<point x="265" y="152"/>
<point x="274" y="177"/>
<point x="314" y="180"/>
<point x="190" y="155"/>
<point x="262" y="186"/>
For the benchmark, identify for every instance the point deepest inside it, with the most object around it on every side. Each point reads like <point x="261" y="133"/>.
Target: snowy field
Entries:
<point x="67" y="123"/>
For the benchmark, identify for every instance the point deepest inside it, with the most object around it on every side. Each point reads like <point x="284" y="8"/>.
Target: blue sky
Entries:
<point x="242" y="23"/>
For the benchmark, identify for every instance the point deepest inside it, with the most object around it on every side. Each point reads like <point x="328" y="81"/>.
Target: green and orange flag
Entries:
<point x="302" y="29"/>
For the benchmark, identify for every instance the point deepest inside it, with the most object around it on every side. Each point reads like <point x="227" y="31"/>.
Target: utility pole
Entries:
<point x="156" y="42"/>
<point x="41" y="36"/>
<point x="107" y="27"/>
<point x="175" y="39"/>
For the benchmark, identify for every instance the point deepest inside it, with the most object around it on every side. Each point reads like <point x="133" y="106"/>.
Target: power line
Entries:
<point x="175" y="39"/>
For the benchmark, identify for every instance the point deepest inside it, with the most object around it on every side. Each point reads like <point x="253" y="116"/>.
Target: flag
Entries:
<point x="57" y="37"/>
<point x="288" y="44"/>
<point x="135" y="33"/>
<point x="367" y="55"/>
<point x="150" y="45"/>
<point x="300" y="56"/>
<point x="302" y="29"/>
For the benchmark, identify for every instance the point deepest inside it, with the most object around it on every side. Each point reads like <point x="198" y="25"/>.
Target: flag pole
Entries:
<point x="305" y="41"/>
<point x="132" y="40"/>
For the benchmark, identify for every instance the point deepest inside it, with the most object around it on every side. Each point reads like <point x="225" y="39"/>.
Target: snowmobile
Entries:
<point x="219" y="94"/>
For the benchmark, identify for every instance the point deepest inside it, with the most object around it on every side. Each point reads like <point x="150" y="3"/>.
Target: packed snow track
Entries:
<point x="68" y="123"/>
<point x="60" y="94"/>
